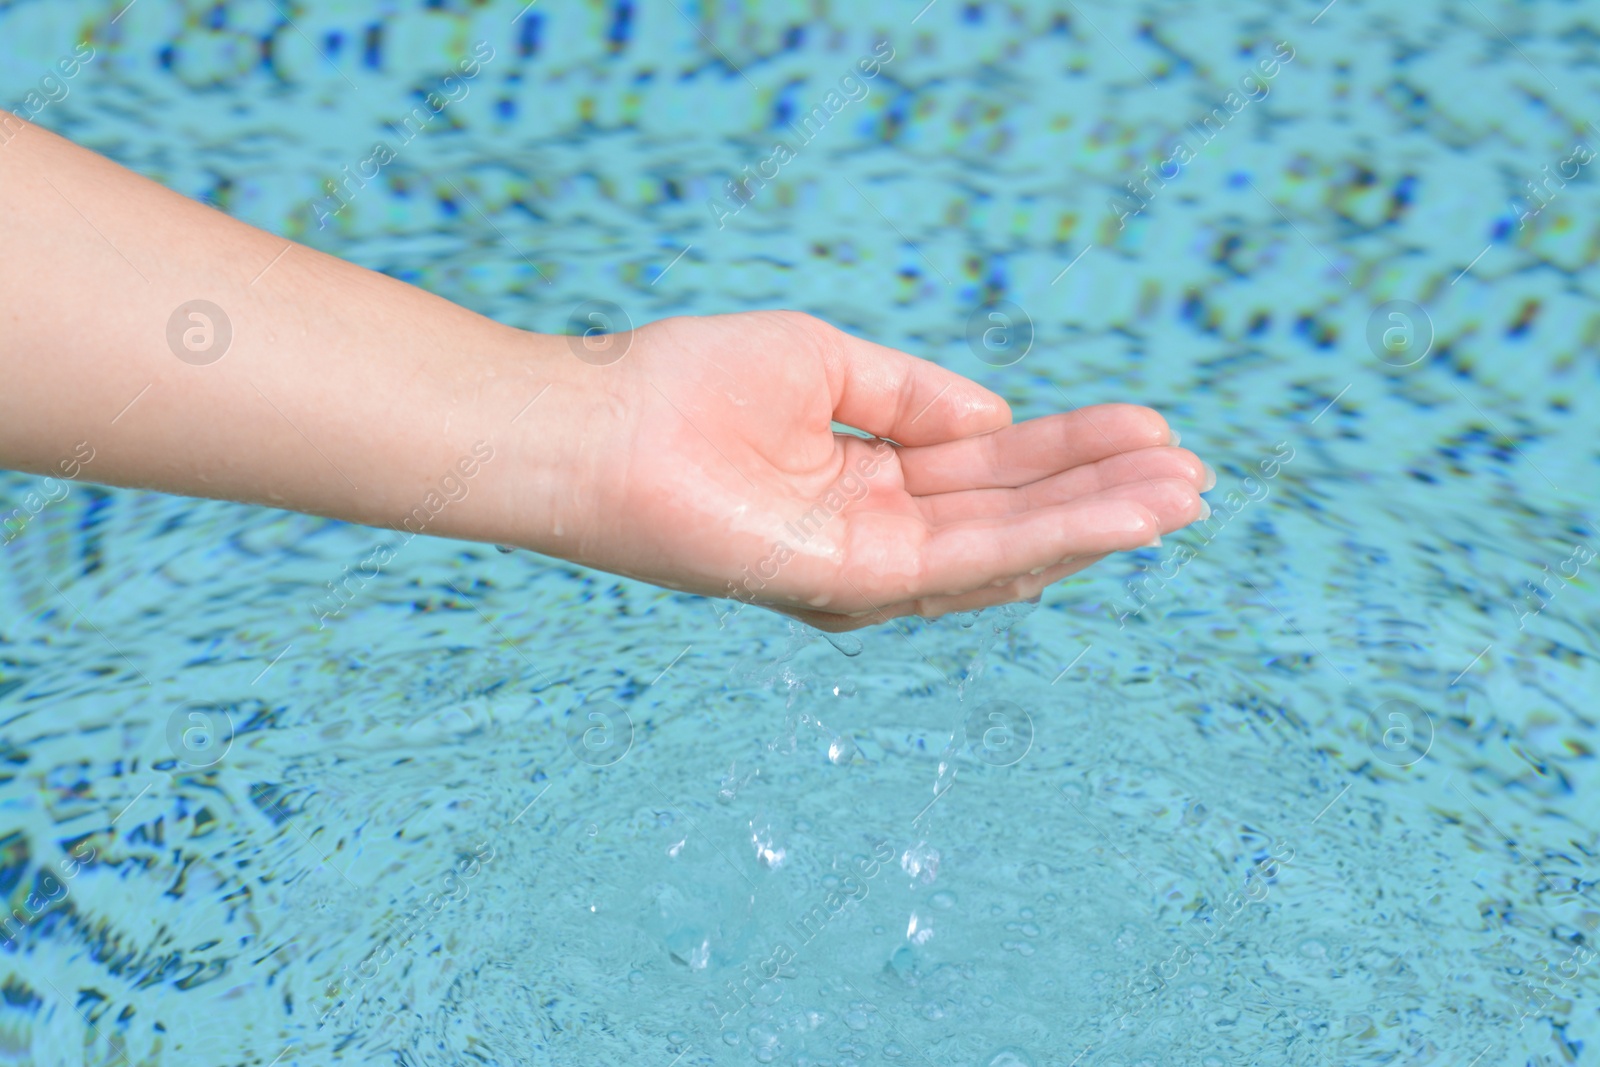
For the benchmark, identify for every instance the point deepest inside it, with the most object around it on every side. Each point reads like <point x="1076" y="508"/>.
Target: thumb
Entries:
<point x="908" y="400"/>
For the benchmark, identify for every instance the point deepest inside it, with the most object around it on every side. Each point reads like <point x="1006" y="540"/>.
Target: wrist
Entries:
<point x="528" y="413"/>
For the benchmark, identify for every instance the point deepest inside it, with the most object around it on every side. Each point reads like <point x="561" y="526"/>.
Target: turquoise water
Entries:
<point x="1313" y="783"/>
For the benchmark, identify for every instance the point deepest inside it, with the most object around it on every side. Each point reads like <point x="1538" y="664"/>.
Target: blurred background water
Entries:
<point x="1313" y="783"/>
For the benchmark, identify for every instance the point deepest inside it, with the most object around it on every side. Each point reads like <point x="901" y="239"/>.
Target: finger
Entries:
<point x="908" y="400"/>
<point x="1007" y="591"/>
<point x="886" y="566"/>
<point x="1147" y="464"/>
<point x="1174" y="502"/>
<point x="1010" y="591"/>
<point x="1029" y="451"/>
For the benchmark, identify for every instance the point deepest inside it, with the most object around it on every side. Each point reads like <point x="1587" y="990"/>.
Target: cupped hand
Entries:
<point x="718" y="471"/>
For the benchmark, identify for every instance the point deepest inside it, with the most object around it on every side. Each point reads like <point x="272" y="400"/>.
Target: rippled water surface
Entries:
<point x="1313" y="783"/>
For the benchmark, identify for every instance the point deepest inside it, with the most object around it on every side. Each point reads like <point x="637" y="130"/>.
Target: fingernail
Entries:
<point x="1172" y="435"/>
<point x="1205" y="511"/>
<point x="1211" y="477"/>
<point x="1155" y="543"/>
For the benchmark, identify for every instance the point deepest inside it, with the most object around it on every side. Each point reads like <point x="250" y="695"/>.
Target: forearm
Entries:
<point x="342" y="392"/>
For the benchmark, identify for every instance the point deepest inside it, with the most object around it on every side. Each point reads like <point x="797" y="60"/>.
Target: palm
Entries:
<point x="749" y="493"/>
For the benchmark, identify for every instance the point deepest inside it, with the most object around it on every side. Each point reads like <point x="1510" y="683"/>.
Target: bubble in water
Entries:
<point x="849" y="644"/>
<point x="943" y="899"/>
<point x="855" y="1020"/>
<point x="841" y="750"/>
<point x="1011" y="1056"/>
<point x="765" y="1041"/>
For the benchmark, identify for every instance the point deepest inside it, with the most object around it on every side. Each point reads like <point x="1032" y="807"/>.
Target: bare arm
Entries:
<point x="702" y="460"/>
<point x="341" y="391"/>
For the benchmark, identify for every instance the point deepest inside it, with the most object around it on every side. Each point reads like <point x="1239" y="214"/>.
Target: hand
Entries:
<point x="715" y="469"/>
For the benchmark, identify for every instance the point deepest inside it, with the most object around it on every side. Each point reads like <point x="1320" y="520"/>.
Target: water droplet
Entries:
<point x="768" y="851"/>
<point x="946" y="775"/>
<point x="849" y="644"/>
<point x="507" y="549"/>
<point x="1011" y="1056"/>
<point x="841" y="750"/>
<point x="943" y="899"/>
<point x="855" y="1020"/>
<point x="730" y="1037"/>
<point x="921" y="861"/>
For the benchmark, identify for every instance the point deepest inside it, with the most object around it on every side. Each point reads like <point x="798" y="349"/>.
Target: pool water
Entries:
<point x="1312" y="783"/>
